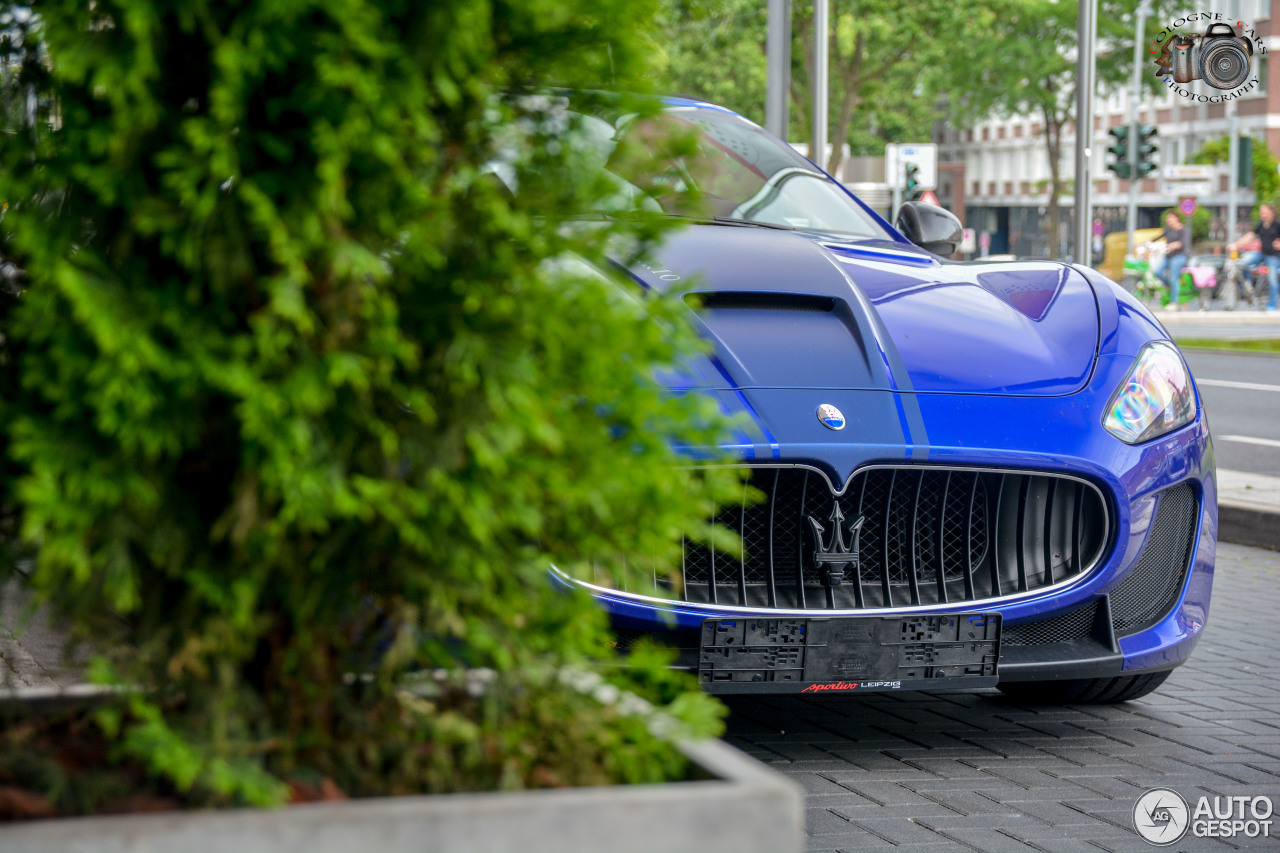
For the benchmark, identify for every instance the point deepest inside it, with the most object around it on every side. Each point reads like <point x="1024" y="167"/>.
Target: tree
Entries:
<point x="899" y="107"/>
<point x="1029" y="66"/>
<point x="882" y="63"/>
<point x="1266" y="180"/>
<point x="714" y="50"/>
<point x="300" y="400"/>
<point x="875" y="48"/>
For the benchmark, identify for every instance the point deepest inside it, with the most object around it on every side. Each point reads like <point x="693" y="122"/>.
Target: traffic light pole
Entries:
<point x="1131" y="222"/>
<point x="1233" y="165"/>
<point x="1233" y="157"/>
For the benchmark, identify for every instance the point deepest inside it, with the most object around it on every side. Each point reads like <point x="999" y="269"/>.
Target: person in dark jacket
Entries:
<point x="1267" y="230"/>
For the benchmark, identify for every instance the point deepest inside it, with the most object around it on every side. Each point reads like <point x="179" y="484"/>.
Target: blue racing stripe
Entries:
<point x="774" y="450"/>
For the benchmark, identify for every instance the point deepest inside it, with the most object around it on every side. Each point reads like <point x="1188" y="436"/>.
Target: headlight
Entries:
<point x="1155" y="399"/>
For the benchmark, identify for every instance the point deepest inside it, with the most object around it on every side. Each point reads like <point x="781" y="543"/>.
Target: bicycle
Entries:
<point x="1138" y="276"/>
<point x="1235" y="284"/>
<point x="1150" y="289"/>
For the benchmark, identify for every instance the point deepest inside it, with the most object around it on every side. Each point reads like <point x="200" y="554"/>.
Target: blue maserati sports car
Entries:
<point x="974" y="474"/>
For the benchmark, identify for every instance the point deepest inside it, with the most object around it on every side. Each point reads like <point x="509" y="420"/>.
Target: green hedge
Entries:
<point x="294" y="403"/>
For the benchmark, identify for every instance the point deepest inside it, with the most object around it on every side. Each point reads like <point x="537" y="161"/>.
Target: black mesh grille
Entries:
<point x="1075" y="624"/>
<point x="623" y="638"/>
<point x="1151" y="589"/>
<point x="927" y="536"/>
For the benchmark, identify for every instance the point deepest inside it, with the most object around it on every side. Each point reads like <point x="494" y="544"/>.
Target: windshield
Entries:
<point x="697" y="162"/>
<point x="737" y="171"/>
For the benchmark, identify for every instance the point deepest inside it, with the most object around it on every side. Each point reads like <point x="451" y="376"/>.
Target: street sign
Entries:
<point x="1187" y="206"/>
<point x="1189" y="173"/>
<point x="923" y="154"/>
<point x="1186" y="188"/>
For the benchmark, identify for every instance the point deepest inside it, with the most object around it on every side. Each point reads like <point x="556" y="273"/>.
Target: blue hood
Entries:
<point x="785" y="310"/>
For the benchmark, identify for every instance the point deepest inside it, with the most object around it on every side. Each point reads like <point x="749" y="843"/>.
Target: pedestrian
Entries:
<point x="1177" y="238"/>
<point x="1267" y="230"/>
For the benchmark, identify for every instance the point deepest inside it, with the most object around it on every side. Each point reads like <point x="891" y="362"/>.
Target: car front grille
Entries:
<point x="924" y="536"/>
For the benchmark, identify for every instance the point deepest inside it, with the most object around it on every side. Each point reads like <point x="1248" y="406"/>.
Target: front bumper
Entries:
<point x="1093" y="629"/>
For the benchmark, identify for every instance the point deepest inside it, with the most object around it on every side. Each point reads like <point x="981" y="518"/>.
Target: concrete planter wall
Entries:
<point x="744" y="807"/>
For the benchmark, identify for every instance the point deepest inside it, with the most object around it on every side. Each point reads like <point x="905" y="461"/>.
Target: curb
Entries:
<point x="25" y="701"/>
<point x="1242" y="317"/>
<point x="743" y="807"/>
<point x="1249" y="524"/>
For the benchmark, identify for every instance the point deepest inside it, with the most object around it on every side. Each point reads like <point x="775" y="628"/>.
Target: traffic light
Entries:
<point x="1145" y="151"/>
<point x="912" y="172"/>
<point x="1244" y="161"/>
<point x="1122" y="167"/>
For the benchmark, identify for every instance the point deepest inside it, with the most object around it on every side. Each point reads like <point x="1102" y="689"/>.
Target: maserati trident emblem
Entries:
<point x="830" y="416"/>
<point x="835" y="556"/>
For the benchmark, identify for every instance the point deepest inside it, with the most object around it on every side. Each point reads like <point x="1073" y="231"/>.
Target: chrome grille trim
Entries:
<point x="1030" y="510"/>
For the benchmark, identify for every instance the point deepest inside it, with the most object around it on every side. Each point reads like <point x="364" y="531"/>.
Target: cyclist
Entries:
<point x="1267" y="230"/>
<point x="1177" y="238"/>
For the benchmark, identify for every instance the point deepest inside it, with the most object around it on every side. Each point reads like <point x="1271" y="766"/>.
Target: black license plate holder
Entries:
<point x="844" y="654"/>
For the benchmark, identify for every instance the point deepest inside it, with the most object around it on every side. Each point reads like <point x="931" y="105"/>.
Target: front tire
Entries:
<point x="1084" y="691"/>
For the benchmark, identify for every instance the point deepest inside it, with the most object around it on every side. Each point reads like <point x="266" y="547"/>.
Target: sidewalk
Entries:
<point x="1191" y="322"/>
<point x="1217" y="315"/>
<point x="1249" y="509"/>
<point x="1248" y="504"/>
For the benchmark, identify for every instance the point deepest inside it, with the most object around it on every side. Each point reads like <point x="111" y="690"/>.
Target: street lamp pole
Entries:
<point x="818" y="138"/>
<point x="778" y="59"/>
<point x="1131" y="222"/>
<point x="1085" y="34"/>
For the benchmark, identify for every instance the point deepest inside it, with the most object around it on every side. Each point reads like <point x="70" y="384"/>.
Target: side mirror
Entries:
<point x="930" y="227"/>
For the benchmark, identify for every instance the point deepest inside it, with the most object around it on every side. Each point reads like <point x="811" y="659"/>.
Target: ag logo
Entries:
<point x="1161" y="816"/>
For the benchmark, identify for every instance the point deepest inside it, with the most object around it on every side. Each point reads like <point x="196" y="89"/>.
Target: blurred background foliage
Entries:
<point x="300" y="399"/>
<point x="1263" y="166"/>
<point x="897" y="72"/>
<point x="889" y="66"/>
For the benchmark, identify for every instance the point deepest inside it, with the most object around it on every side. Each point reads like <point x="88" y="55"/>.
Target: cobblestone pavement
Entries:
<point x="973" y="771"/>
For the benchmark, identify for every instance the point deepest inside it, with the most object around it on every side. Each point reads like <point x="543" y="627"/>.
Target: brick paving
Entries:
<point x="973" y="771"/>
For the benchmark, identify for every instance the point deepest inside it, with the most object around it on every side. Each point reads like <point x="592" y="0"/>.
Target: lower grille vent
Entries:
<point x="1152" y="588"/>
<point x="1075" y="624"/>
